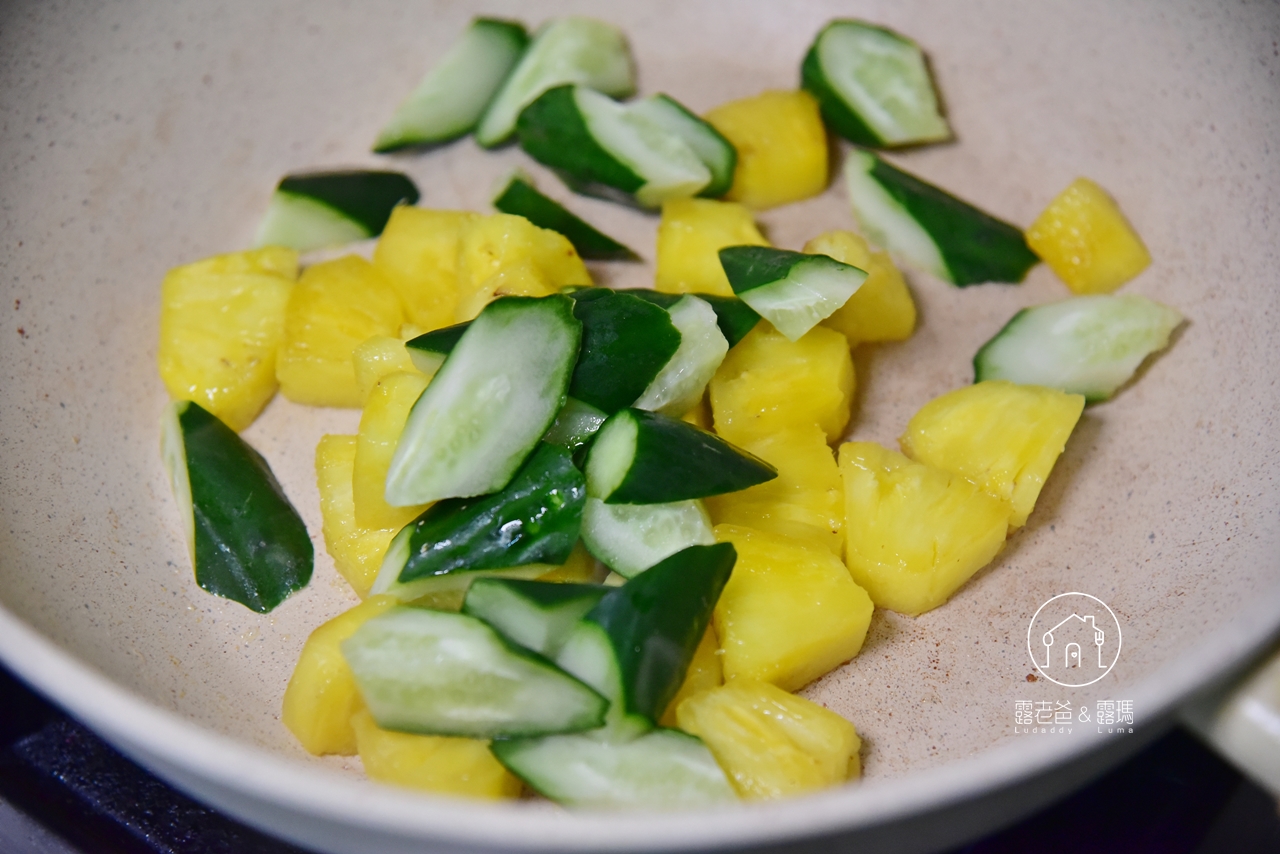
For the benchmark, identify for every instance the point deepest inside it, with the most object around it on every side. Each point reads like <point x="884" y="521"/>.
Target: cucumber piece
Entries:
<point x="246" y="541"/>
<point x="319" y="209"/>
<point x="428" y="351"/>
<point x="440" y="673"/>
<point x="625" y="343"/>
<point x="1088" y="345"/>
<point x="734" y="317"/>
<point x="664" y="768"/>
<point x="538" y="615"/>
<point x="641" y="457"/>
<point x="489" y="404"/>
<point x="600" y="147"/>
<point x="575" y="424"/>
<point x="711" y="147"/>
<point x="793" y="291"/>
<point x="635" y="645"/>
<point x="518" y="196"/>
<point x="450" y="100"/>
<point x="873" y="86"/>
<point x="444" y="592"/>
<point x="566" y="50"/>
<point x="930" y="228"/>
<point x="630" y="538"/>
<point x="679" y="385"/>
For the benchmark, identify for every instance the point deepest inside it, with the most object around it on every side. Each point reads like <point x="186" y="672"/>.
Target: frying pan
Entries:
<point x="138" y="136"/>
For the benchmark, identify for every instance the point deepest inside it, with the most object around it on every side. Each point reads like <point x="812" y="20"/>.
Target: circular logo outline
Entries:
<point x="1036" y="616"/>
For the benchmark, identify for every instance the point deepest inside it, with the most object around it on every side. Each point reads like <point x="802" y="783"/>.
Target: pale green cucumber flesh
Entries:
<point x="679" y="385"/>
<point x="711" y="147"/>
<point x="537" y="615"/>
<point x="793" y="291"/>
<point x="302" y="223"/>
<point x="575" y="424"/>
<point x="884" y="220"/>
<point x="630" y="538"/>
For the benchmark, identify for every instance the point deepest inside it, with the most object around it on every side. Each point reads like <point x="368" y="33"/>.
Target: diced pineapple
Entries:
<point x="1087" y="241"/>
<point x="704" y="672"/>
<point x="418" y="253"/>
<point x="432" y="763"/>
<point x="381" y="424"/>
<point x="322" y="694"/>
<point x="221" y="321"/>
<point x="336" y="306"/>
<point x="691" y="233"/>
<point x="1002" y="436"/>
<point x="782" y="147"/>
<point x="357" y="552"/>
<point x="534" y="259"/>
<point x="580" y="568"/>
<point x="804" y="501"/>
<point x="772" y="744"/>
<point x="700" y="414"/>
<point x="790" y="612"/>
<point x="882" y="308"/>
<point x="380" y="356"/>
<point x="914" y="533"/>
<point x="768" y="385"/>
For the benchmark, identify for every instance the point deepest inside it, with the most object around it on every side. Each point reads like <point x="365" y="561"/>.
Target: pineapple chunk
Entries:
<point x="380" y="356"/>
<point x="1086" y="240"/>
<point x="432" y="763"/>
<point x="804" y="501"/>
<point x="357" y="552"/>
<point x="768" y="385"/>
<point x="336" y="306"/>
<point x="700" y="415"/>
<point x="580" y="568"/>
<point x="322" y="694"/>
<point x="381" y="424"/>
<point x="691" y="234"/>
<point x="790" y="612"/>
<point x="535" y="261"/>
<point x="914" y="533"/>
<point x="882" y="308"/>
<point x="1002" y="436"/>
<point x="221" y="320"/>
<point x="704" y="672"/>
<point x="418" y="253"/>
<point x="782" y="147"/>
<point x="772" y="744"/>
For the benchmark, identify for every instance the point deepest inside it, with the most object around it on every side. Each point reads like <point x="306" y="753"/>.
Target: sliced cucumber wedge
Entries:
<point x="873" y="86"/>
<point x="443" y="592"/>
<point x="664" y="768"/>
<point x="247" y="543"/>
<point x="490" y="403"/>
<point x="625" y="343"/>
<point x="600" y="147"/>
<point x="575" y="424"/>
<point x="793" y="291"/>
<point x="538" y="615"/>
<point x="1088" y="345"/>
<point x="453" y="96"/>
<point x="679" y="385"/>
<point x="641" y="457"/>
<point x="520" y="197"/>
<point x="428" y="351"/>
<point x="440" y="673"/>
<point x="566" y="50"/>
<point x="715" y="152"/>
<point x="320" y="209"/>
<point x="734" y="317"/>
<point x="932" y="229"/>
<point x="630" y="538"/>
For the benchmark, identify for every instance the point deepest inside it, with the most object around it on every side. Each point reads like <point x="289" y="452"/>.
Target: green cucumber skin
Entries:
<point x="553" y="132"/>
<point x="536" y="518"/>
<point x="251" y="546"/>
<point x="751" y="267"/>
<point x="437" y="343"/>
<point x="540" y="594"/>
<point x="975" y="246"/>
<point x="366" y="197"/>
<point x="676" y="461"/>
<point x="835" y="113"/>
<point x="508" y="604"/>
<point x="521" y="198"/>
<point x="625" y="342"/>
<point x="734" y="317"/>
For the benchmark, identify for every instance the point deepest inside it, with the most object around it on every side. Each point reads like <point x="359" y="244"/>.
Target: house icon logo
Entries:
<point x="1074" y="639"/>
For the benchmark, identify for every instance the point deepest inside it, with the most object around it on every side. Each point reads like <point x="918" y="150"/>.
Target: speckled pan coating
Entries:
<point x="135" y="137"/>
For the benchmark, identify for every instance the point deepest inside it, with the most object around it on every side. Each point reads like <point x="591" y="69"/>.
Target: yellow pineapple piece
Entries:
<point x="322" y="694"/>
<point x="770" y="743"/>
<point x="221" y="320"/>
<point x="336" y="306"/>
<point x="790" y="612"/>
<point x="379" y="356"/>
<point x="1087" y="241"/>
<point x="418" y="253"/>
<point x="691" y="233"/>
<point x="700" y="414"/>
<point x="704" y="672"/>
<point x="535" y="260"/>
<point x="1002" y="436"/>
<point x="914" y="533"/>
<point x="768" y="384"/>
<point x="432" y="763"/>
<point x="580" y="568"/>
<point x="782" y="147"/>
<point x="805" y="501"/>
<point x="357" y="552"/>
<point x="381" y="424"/>
<point x="881" y="309"/>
